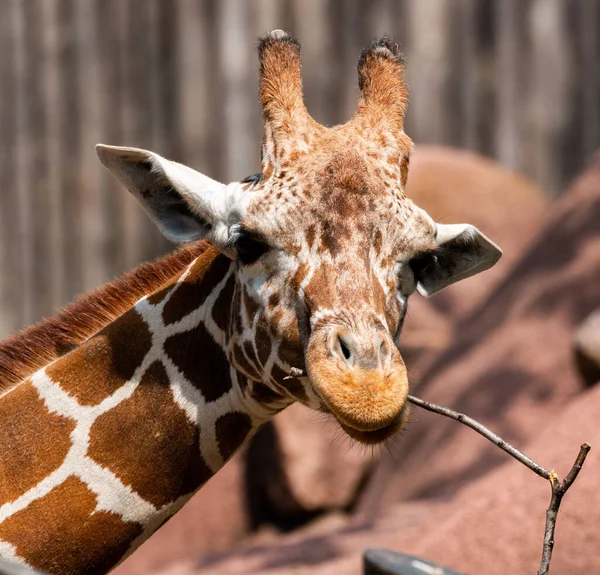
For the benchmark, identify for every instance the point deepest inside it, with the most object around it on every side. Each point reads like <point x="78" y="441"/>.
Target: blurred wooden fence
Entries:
<point x="515" y="79"/>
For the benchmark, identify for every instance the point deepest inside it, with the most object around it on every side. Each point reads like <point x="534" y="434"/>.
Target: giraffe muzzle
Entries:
<point x="362" y="381"/>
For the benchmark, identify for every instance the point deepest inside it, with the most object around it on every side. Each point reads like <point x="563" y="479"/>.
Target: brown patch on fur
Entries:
<point x="231" y="430"/>
<point x="242" y="381"/>
<point x="276" y="319"/>
<point x="264" y="394"/>
<point x="320" y="285"/>
<point x="243" y="364"/>
<point x="103" y="364"/>
<point x="295" y="388"/>
<point x="378" y="242"/>
<point x="250" y="353"/>
<point x="33" y="441"/>
<point x="278" y="375"/>
<point x="205" y="274"/>
<point x="236" y="313"/>
<point x="161" y="459"/>
<point x="300" y="274"/>
<point x="404" y="170"/>
<point x="379" y="301"/>
<point x="77" y="541"/>
<point x="310" y="235"/>
<point x="201" y="360"/>
<point x="251" y="307"/>
<point x="292" y="386"/>
<point x="158" y="296"/>
<point x="221" y="312"/>
<point x="267" y="171"/>
<point x="24" y="353"/>
<point x="262" y="340"/>
<point x="346" y="172"/>
<point x="274" y="299"/>
<point x="291" y="349"/>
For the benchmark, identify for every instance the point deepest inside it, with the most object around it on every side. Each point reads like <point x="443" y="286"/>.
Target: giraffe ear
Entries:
<point x="184" y="204"/>
<point x="462" y="252"/>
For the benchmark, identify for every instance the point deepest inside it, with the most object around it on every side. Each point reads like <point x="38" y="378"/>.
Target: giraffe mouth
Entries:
<point x="376" y="436"/>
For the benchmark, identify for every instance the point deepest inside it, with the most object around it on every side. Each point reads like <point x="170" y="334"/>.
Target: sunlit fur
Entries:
<point x="330" y="205"/>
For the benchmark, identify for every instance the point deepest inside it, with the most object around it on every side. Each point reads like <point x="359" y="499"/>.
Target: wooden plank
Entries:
<point x="10" y="248"/>
<point x="199" y="90"/>
<point x="70" y="145"/>
<point x="428" y="73"/>
<point x="107" y="19"/>
<point x="549" y="106"/>
<point x="589" y="12"/>
<point x="94" y="224"/>
<point x="140" y="237"/>
<point x="52" y="103"/>
<point x="165" y="81"/>
<point x="469" y="74"/>
<point x="319" y="58"/>
<point x="509" y="117"/>
<point x="25" y="175"/>
<point x="350" y="20"/>
<point x="234" y="53"/>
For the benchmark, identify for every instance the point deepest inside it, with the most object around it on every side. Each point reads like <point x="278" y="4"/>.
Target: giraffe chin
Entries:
<point x="369" y="403"/>
<point x="376" y="436"/>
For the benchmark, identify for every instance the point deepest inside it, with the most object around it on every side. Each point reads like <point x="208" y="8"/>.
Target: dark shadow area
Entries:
<point x="270" y="499"/>
<point x="311" y="551"/>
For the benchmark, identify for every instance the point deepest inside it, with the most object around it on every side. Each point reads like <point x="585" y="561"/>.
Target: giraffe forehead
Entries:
<point x="338" y="197"/>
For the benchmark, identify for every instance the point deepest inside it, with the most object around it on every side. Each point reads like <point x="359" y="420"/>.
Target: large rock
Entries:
<point x="495" y="526"/>
<point x="302" y="464"/>
<point x="511" y="361"/>
<point x="587" y="348"/>
<point x="459" y="186"/>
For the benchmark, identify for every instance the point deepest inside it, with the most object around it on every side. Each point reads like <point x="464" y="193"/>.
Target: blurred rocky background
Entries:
<point x="505" y="112"/>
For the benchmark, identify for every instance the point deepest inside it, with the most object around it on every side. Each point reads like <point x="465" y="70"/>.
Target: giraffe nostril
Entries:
<point x="385" y="354"/>
<point x="345" y="349"/>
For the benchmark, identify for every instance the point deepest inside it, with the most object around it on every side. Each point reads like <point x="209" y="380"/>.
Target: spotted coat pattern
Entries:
<point x="106" y="443"/>
<point x="312" y="265"/>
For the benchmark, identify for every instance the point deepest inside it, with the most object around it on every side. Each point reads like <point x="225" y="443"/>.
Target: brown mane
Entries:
<point x="23" y="353"/>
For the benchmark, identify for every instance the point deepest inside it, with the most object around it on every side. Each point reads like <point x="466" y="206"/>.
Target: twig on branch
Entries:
<point x="558" y="488"/>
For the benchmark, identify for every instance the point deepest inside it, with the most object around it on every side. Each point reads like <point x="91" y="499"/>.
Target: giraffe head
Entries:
<point x="325" y="245"/>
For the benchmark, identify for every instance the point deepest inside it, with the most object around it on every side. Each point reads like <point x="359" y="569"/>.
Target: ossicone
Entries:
<point x="383" y="93"/>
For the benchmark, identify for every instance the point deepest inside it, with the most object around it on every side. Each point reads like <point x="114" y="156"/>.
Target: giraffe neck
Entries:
<point x="102" y="446"/>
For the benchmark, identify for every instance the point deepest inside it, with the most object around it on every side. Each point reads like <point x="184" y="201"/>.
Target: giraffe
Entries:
<point x="292" y="285"/>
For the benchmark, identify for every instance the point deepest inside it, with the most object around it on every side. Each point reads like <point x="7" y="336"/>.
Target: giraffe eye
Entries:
<point x="250" y="248"/>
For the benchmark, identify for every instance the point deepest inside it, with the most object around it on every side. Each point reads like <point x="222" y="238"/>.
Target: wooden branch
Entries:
<point x="559" y="488"/>
<point x="482" y="430"/>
